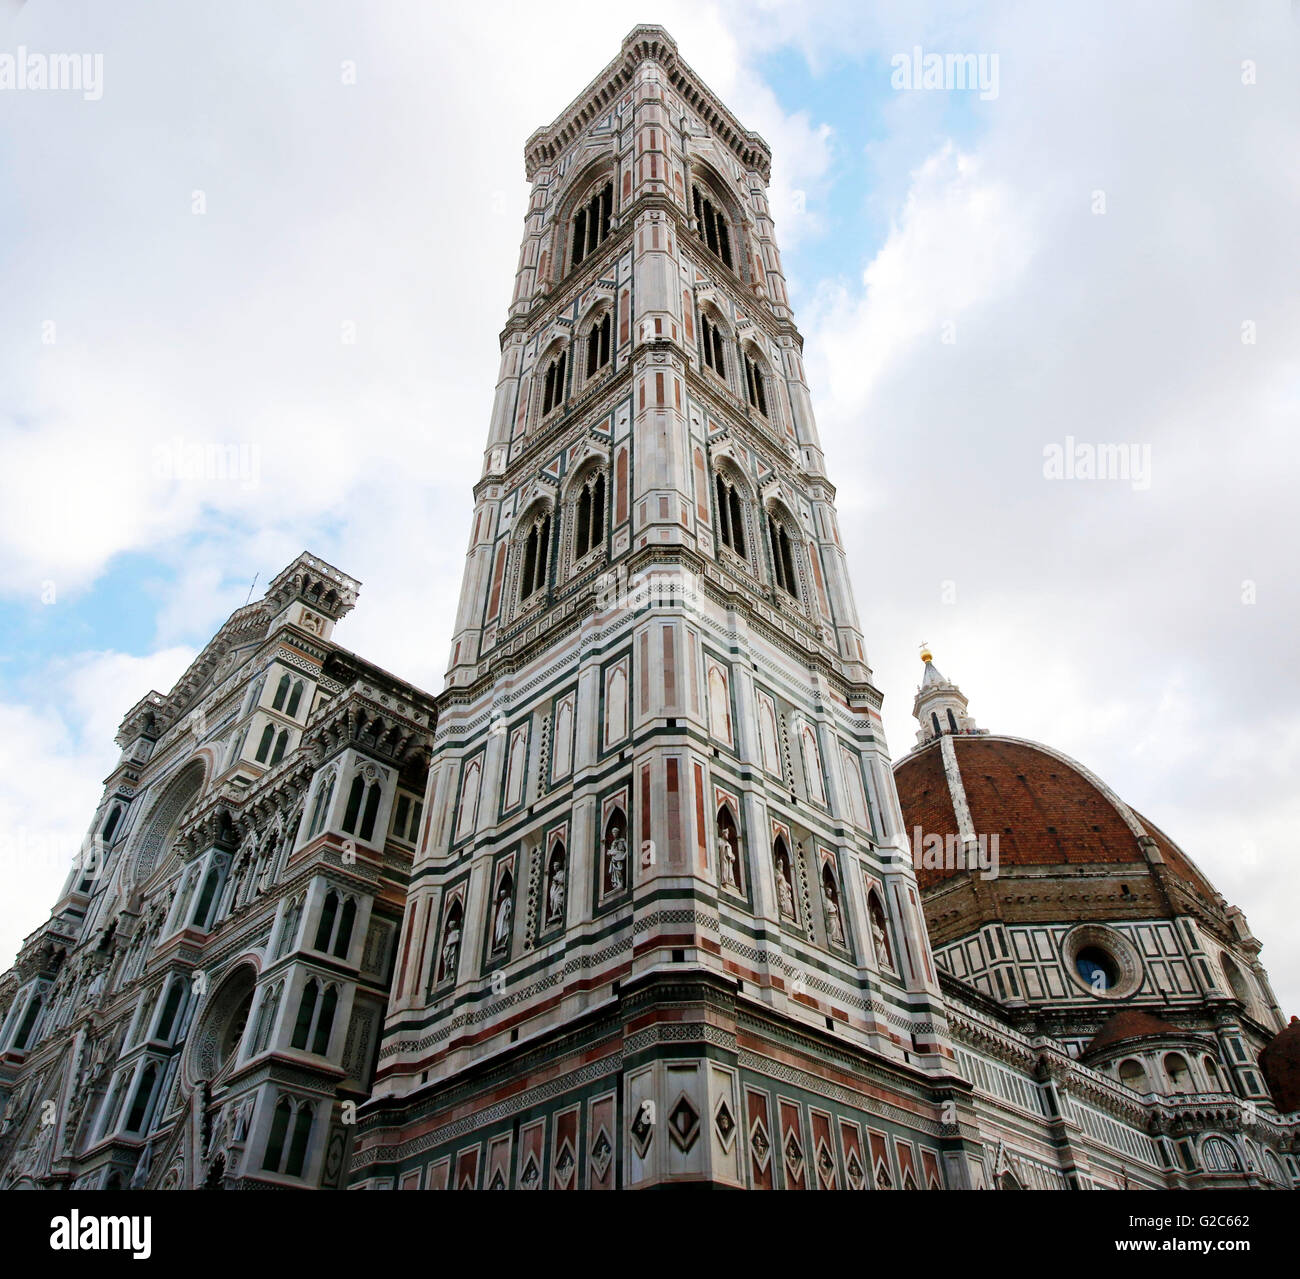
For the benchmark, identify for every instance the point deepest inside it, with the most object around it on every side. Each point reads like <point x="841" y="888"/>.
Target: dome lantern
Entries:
<point x="940" y="706"/>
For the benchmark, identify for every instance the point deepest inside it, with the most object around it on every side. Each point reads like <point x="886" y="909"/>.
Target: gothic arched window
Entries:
<point x="755" y="389"/>
<point x="254" y="692"/>
<point x="206" y="894"/>
<point x="298" y="1146"/>
<point x="589" y="516"/>
<point x="1274" y="1171"/>
<point x="295" y="699"/>
<point x="782" y="557"/>
<point x="289" y="931"/>
<point x="281" y="743"/>
<point x="553" y="385"/>
<point x="281" y="692"/>
<point x="400" y="814"/>
<point x="952" y="720"/>
<point x="236" y="747"/>
<point x="356" y="793"/>
<point x="324" y="796"/>
<point x="347" y="921"/>
<point x="731" y="519"/>
<point x="264" y="745"/>
<point x="354" y="813"/>
<point x="139" y="1112"/>
<point x="591" y="223"/>
<point x="712" y="345"/>
<point x="325" y="928"/>
<point x="325" y="1022"/>
<point x="710" y="225"/>
<point x="373" y="795"/>
<point x="1219" y="1155"/>
<point x="598" y="337"/>
<point x="536" y="556"/>
<point x="265" y="1026"/>
<point x="279" y="1131"/>
<point x="307" y="1014"/>
<point x="171" y="1006"/>
<point x="30" y="1015"/>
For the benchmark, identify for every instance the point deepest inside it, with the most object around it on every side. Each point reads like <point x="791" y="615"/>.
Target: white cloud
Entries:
<point x="961" y="240"/>
<point x="1106" y="622"/>
<point x="55" y="750"/>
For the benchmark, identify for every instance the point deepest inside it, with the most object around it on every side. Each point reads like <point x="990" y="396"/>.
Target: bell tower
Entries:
<point x="657" y="916"/>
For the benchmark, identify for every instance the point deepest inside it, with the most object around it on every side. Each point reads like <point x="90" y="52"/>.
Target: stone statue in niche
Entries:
<point x="616" y="860"/>
<point x="451" y="948"/>
<point x="882" y="946"/>
<point x="879" y="937"/>
<point x="555" y="891"/>
<point x="727" y="861"/>
<point x="95" y="991"/>
<point x="784" y="888"/>
<point x="501" y="918"/>
<point x="834" y="925"/>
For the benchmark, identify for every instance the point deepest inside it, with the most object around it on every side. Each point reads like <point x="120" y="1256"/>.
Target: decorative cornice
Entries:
<point x="645" y="43"/>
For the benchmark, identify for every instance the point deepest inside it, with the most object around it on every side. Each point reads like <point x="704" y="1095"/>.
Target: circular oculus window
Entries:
<point x="1102" y="961"/>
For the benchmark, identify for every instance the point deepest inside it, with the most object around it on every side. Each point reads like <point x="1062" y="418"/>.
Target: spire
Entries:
<point x="940" y="706"/>
<point x="931" y="673"/>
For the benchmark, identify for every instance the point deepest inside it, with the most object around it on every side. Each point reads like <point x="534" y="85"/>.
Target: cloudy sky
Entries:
<point x="290" y="232"/>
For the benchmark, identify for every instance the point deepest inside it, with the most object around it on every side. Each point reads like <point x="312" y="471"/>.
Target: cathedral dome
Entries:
<point x="1045" y="809"/>
<point x="1280" y="1062"/>
<point x="1002" y="830"/>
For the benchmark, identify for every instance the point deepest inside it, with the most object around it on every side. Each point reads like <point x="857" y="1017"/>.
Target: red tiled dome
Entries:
<point x="1045" y="809"/>
<point x="1280" y="1064"/>
<point x="1132" y="1023"/>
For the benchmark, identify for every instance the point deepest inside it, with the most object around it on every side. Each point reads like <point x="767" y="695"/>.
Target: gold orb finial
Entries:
<point x="926" y="655"/>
